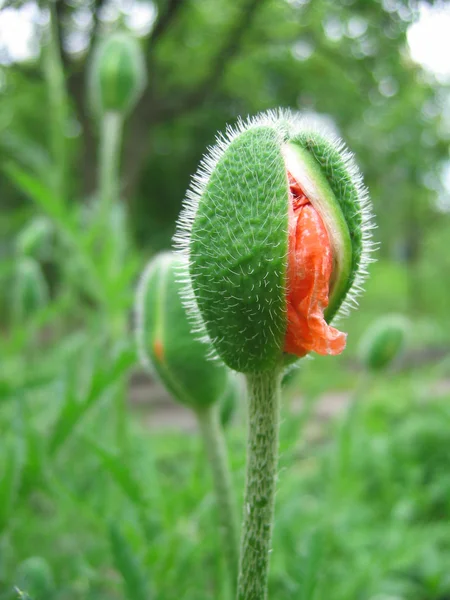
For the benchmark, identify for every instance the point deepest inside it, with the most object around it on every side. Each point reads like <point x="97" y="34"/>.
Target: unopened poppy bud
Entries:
<point x="117" y="74"/>
<point x="275" y="234"/>
<point x="383" y="342"/>
<point x="166" y="343"/>
<point x="34" y="577"/>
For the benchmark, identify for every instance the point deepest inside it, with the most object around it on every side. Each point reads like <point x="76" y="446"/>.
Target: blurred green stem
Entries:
<point x="58" y="104"/>
<point x="120" y="402"/>
<point x="217" y="454"/>
<point x="109" y="189"/>
<point x="348" y="432"/>
<point x="264" y="391"/>
<point x="109" y="168"/>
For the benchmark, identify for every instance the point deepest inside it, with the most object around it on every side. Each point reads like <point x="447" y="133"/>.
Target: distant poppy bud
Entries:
<point x="168" y="347"/>
<point x="35" y="577"/>
<point x="117" y="74"/>
<point x="275" y="234"/>
<point x="383" y="342"/>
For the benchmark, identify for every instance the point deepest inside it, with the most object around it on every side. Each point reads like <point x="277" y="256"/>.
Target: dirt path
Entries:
<point x="158" y="411"/>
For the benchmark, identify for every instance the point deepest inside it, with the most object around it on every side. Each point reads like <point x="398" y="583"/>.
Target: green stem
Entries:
<point x="348" y="433"/>
<point x="217" y="454"/>
<point x="121" y="415"/>
<point x="262" y="459"/>
<point x="110" y="144"/>
<point x="109" y="192"/>
<point x="58" y="104"/>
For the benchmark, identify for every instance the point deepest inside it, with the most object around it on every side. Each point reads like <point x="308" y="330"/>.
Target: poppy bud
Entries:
<point x="118" y="74"/>
<point x="383" y="342"/>
<point x="35" y="577"/>
<point x="275" y="235"/>
<point x="166" y="343"/>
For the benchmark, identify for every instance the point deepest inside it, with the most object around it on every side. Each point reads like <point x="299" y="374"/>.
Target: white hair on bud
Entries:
<point x="287" y="125"/>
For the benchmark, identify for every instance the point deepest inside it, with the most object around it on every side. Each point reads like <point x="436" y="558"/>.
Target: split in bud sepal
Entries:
<point x="383" y="342"/>
<point x="276" y="238"/>
<point x="167" y="345"/>
<point x="117" y="74"/>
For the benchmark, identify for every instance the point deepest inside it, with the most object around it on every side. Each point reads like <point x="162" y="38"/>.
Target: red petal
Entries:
<point x="309" y="272"/>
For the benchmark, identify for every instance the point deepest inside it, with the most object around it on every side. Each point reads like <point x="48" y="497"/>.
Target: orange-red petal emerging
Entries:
<point x="309" y="271"/>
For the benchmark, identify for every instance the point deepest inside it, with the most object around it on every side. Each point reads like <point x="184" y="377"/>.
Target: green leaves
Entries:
<point x="76" y="406"/>
<point x="10" y="479"/>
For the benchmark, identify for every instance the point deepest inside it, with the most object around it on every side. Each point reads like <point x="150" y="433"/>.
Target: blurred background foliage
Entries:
<point x="92" y="505"/>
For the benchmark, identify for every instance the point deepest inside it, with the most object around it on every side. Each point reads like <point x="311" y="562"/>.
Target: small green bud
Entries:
<point x="167" y="344"/>
<point x="276" y="238"/>
<point x="29" y="290"/>
<point x="34" y="576"/>
<point x="117" y="74"/>
<point x="383" y="342"/>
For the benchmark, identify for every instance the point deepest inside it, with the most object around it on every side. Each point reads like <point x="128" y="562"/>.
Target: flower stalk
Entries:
<point x="109" y="162"/>
<point x="58" y="103"/>
<point x="275" y="236"/>
<point x="215" y="446"/>
<point x="172" y="352"/>
<point x="264" y="391"/>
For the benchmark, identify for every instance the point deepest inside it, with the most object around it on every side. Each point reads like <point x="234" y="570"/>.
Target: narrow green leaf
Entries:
<point x="135" y="580"/>
<point x="34" y="188"/>
<point x="74" y="409"/>
<point x="120" y="473"/>
<point x="10" y="480"/>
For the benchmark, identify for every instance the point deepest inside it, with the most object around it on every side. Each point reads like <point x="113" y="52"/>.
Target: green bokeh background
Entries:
<point x="104" y="490"/>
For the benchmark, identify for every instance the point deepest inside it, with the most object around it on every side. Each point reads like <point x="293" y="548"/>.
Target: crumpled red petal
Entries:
<point x="309" y="271"/>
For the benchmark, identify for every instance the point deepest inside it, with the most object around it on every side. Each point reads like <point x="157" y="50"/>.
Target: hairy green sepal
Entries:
<point x="166" y="340"/>
<point x="329" y="208"/>
<point x="238" y="252"/>
<point x="341" y="198"/>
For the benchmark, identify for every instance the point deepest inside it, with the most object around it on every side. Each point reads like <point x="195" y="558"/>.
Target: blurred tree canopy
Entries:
<point x="212" y="60"/>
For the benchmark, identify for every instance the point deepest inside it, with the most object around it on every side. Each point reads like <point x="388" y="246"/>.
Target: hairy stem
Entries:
<point x="217" y="454"/>
<point x="262" y="459"/>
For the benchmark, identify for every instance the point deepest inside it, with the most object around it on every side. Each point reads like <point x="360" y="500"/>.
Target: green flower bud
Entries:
<point x="275" y="235"/>
<point x="166" y="343"/>
<point x="383" y="342"/>
<point x="29" y="291"/>
<point x="35" y="577"/>
<point x="117" y="74"/>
